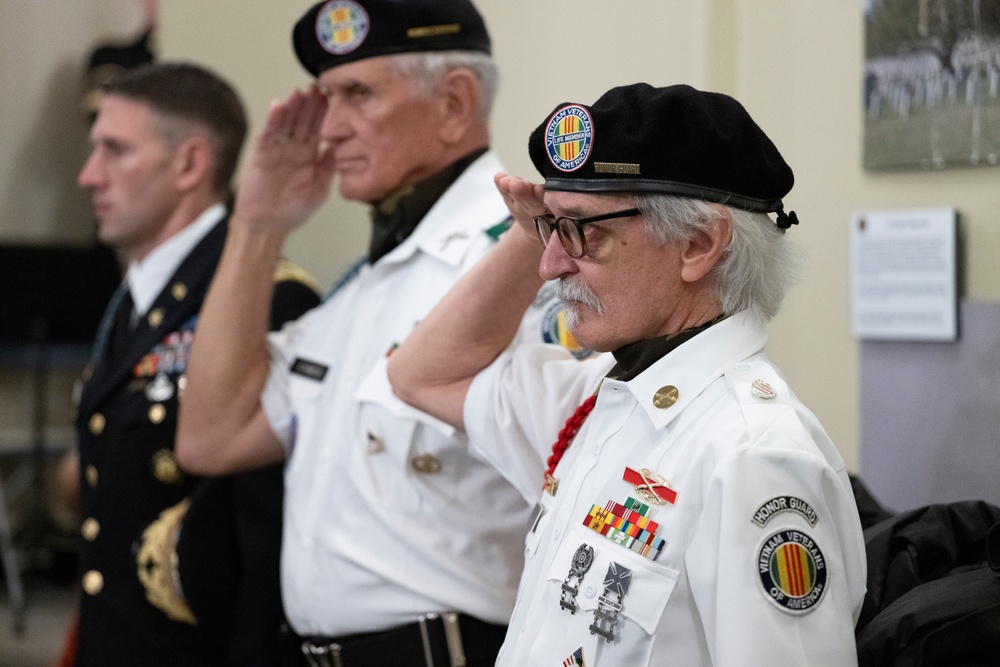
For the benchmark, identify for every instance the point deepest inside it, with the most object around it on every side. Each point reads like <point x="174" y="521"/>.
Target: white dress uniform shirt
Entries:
<point x="387" y="515"/>
<point x="762" y="560"/>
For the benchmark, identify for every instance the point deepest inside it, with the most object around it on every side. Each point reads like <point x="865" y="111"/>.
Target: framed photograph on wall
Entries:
<point x="931" y="84"/>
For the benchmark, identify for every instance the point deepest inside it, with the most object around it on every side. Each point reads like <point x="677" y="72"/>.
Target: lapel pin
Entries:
<point x="761" y="389"/>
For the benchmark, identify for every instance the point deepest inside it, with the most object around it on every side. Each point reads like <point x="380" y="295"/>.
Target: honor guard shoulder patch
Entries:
<point x="780" y="504"/>
<point x="792" y="571"/>
<point x="569" y="137"/>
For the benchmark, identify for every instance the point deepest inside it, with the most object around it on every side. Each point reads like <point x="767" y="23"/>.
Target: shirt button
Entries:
<point x="92" y="476"/>
<point x="93" y="582"/>
<point x="96" y="423"/>
<point x="557" y="533"/>
<point x="590" y="591"/>
<point x="157" y="413"/>
<point x="90" y="529"/>
<point x="743" y="367"/>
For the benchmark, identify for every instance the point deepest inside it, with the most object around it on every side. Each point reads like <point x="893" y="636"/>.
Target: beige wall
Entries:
<point x="795" y="64"/>
<point x="43" y="51"/>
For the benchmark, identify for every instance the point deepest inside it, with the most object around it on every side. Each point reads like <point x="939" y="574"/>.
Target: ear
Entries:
<point x="459" y="105"/>
<point x="193" y="163"/>
<point x="702" y="253"/>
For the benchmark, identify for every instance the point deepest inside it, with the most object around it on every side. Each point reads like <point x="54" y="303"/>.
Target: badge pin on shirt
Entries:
<point x="160" y="389"/>
<point x="650" y="486"/>
<point x="616" y="583"/>
<point x="582" y="560"/>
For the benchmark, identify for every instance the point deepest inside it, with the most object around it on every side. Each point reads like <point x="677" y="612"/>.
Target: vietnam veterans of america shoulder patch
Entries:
<point x="792" y="571"/>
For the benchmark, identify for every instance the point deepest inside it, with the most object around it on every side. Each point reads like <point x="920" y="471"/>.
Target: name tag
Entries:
<point x="310" y="369"/>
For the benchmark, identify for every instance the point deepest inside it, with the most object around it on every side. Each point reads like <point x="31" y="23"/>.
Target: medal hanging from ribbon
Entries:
<point x="616" y="583"/>
<point x="582" y="560"/>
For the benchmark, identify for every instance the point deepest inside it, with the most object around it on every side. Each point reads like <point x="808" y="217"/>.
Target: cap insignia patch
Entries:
<point x="792" y="571"/>
<point x="569" y="137"/>
<point x="341" y="26"/>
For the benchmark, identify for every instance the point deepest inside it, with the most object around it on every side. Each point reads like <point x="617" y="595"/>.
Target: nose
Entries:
<point x="90" y="174"/>
<point x="334" y="127"/>
<point x="556" y="263"/>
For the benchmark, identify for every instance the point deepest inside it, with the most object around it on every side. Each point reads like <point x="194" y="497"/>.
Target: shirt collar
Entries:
<point x="695" y="364"/>
<point x="395" y="219"/>
<point x="147" y="277"/>
<point x="445" y="232"/>
<point x="634" y="358"/>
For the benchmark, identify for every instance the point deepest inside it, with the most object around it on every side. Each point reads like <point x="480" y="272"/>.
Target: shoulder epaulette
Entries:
<point x="287" y="271"/>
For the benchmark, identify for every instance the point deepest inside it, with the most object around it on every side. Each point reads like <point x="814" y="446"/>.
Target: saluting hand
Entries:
<point x="523" y="199"/>
<point x="288" y="175"/>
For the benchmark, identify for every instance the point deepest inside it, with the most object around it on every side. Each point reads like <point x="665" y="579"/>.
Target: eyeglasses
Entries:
<point x="570" y="230"/>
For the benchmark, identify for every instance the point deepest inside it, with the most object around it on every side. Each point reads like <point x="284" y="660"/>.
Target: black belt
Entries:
<point x="435" y="640"/>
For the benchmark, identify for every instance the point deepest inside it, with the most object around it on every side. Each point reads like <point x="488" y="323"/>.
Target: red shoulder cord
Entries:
<point x="566" y="436"/>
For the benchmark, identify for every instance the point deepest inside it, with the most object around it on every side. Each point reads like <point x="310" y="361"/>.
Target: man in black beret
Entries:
<point x="400" y="547"/>
<point x="692" y="510"/>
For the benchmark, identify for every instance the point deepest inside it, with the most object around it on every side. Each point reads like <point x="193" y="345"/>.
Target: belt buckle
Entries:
<point x="452" y="637"/>
<point x="322" y="655"/>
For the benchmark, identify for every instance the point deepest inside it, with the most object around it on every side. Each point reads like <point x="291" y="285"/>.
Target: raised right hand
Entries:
<point x="523" y="199"/>
<point x="288" y="175"/>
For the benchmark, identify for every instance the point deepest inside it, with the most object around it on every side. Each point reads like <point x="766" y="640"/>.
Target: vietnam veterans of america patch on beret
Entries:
<point x="338" y="32"/>
<point x="675" y="141"/>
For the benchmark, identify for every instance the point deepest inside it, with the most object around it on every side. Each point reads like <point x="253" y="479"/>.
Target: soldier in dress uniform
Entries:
<point x="178" y="570"/>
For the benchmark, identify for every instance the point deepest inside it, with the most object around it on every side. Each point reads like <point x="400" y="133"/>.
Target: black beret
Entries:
<point x="342" y="31"/>
<point x="674" y="140"/>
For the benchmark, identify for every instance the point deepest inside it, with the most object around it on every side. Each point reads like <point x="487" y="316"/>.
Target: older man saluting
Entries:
<point x="399" y="547"/>
<point x="692" y="510"/>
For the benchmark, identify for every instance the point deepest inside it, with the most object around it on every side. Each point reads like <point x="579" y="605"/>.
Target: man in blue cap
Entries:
<point x="692" y="511"/>
<point x="400" y="547"/>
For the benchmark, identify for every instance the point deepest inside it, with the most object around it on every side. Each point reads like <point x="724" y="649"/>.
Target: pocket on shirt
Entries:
<point x="650" y="585"/>
<point x="399" y="449"/>
<point x="375" y="388"/>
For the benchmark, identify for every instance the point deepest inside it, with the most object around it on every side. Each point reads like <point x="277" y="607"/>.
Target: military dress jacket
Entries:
<point x="136" y="607"/>
<point x="701" y="516"/>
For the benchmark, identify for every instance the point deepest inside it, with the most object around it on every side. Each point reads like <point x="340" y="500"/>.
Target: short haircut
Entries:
<point x="756" y="269"/>
<point x="427" y="70"/>
<point x="191" y="94"/>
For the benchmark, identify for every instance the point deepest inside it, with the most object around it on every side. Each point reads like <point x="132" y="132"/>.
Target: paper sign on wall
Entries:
<point x="903" y="274"/>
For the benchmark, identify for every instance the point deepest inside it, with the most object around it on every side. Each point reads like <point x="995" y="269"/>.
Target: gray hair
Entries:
<point x="755" y="270"/>
<point x="427" y="70"/>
